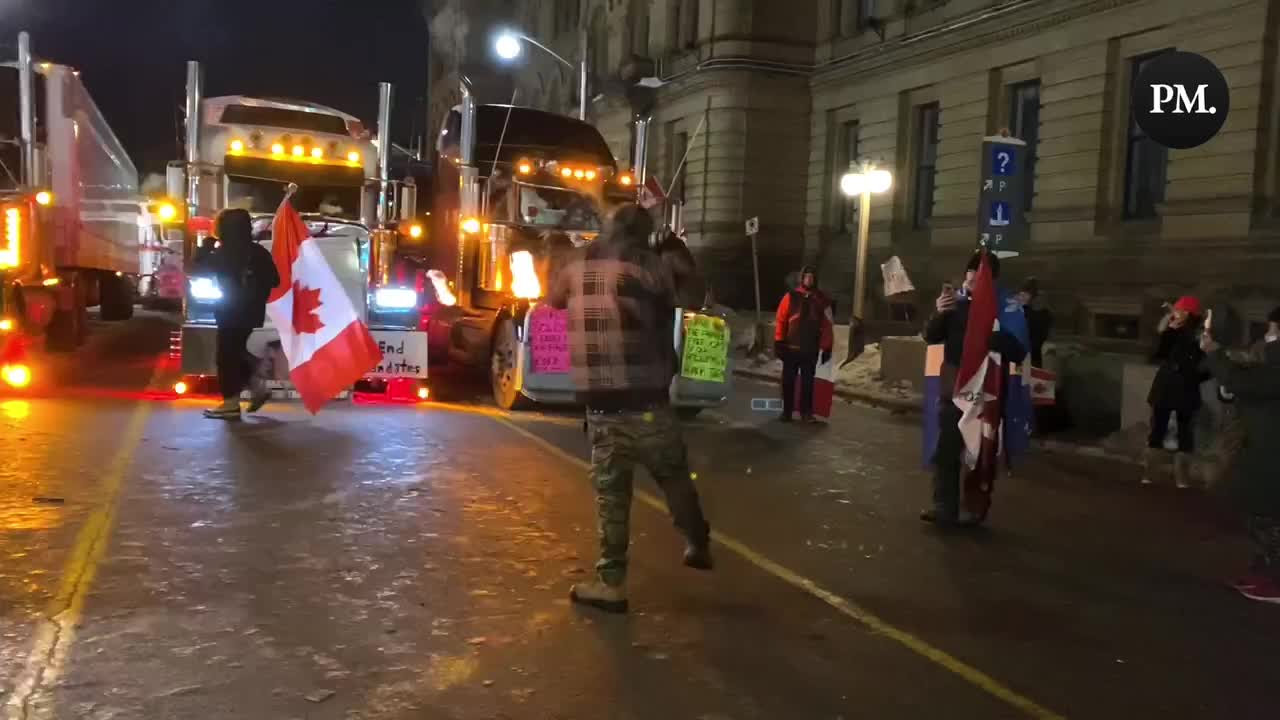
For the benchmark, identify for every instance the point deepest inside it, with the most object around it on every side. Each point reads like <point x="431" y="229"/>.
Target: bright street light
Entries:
<point x="507" y="46"/>
<point x="862" y="183"/>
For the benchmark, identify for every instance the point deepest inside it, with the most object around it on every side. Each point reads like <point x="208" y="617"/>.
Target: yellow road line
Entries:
<point x="846" y="607"/>
<point x="56" y="632"/>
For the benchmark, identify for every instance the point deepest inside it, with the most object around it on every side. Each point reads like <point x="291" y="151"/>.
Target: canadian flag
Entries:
<point x="327" y="345"/>
<point x="978" y="393"/>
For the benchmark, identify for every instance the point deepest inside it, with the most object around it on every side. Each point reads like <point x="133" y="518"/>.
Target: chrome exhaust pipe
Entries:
<point x="385" y="91"/>
<point x="26" y="111"/>
<point x="195" y="95"/>
<point x="640" y="153"/>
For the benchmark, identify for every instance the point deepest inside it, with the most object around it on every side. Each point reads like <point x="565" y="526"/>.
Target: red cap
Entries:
<point x="1188" y="304"/>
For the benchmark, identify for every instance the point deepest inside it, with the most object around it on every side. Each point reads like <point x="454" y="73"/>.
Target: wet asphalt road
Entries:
<point x="413" y="562"/>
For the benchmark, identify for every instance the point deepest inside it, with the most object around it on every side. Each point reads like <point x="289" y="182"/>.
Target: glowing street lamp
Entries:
<point x="510" y="44"/>
<point x="863" y="182"/>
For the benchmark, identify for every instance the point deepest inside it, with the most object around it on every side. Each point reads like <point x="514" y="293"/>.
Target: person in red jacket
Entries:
<point x="803" y="331"/>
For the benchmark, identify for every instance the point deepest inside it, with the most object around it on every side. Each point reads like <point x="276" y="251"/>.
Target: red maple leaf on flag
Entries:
<point x="305" y="304"/>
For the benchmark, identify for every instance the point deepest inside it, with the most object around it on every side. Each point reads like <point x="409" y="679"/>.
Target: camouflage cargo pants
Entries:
<point x="620" y="442"/>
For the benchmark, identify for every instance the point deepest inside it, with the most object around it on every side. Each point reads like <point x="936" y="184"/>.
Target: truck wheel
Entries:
<point x="502" y="367"/>
<point x="115" y="297"/>
<point x="69" y="325"/>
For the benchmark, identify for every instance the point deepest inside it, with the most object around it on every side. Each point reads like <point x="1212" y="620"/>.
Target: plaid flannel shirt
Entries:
<point x="620" y="301"/>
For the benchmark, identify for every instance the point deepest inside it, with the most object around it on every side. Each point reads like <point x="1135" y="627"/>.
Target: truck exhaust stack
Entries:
<point x="27" y="110"/>
<point x="385" y="91"/>
<point x="195" y="93"/>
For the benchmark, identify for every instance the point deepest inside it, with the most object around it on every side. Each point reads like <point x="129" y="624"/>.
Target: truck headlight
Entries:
<point x="205" y="289"/>
<point x="395" y="299"/>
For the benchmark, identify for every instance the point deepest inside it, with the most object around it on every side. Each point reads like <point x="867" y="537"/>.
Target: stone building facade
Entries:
<point x="773" y="99"/>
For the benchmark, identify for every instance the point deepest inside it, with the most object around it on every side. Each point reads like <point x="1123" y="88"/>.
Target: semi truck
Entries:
<point x="515" y="190"/>
<point x="70" y="205"/>
<point x="245" y="152"/>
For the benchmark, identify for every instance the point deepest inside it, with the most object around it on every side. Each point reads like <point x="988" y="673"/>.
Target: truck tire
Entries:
<point x="70" y="325"/>
<point x="115" y="294"/>
<point x="502" y="367"/>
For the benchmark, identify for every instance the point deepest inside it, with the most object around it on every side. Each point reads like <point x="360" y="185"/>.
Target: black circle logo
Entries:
<point x="1180" y="99"/>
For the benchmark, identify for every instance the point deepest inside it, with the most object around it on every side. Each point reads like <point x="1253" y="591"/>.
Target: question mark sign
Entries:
<point x="1003" y="157"/>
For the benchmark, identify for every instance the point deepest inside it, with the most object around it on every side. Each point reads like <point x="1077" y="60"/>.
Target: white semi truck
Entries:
<point x="244" y="152"/>
<point x="70" y="207"/>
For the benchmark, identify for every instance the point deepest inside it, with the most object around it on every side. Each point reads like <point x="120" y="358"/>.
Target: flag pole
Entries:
<point x="289" y="191"/>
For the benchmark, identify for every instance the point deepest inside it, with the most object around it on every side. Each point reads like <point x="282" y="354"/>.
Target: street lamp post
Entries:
<point x="509" y="44"/>
<point x="862" y="181"/>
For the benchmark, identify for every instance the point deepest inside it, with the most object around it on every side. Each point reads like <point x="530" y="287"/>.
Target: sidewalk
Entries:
<point x="861" y="382"/>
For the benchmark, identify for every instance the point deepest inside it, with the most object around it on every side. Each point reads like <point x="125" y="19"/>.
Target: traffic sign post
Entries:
<point x="753" y="229"/>
<point x="1002" y="229"/>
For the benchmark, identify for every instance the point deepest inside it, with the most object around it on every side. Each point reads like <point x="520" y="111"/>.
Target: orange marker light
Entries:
<point x="625" y="179"/>
<point x="180" y="388"/>
<point x="591" y="174"/>
<point x="525" y="168"/>
<point x="353" y="156"/>
<point x="298" y="151"/>
<point x="277" y="149"/>
<point x="6" y="325"/>
<point x="237" y="146"/>
<point x="566" y="172"/>
<point x="317" y="153"/>
<point x="423" y="393"/>
<point x="18" y="376"/>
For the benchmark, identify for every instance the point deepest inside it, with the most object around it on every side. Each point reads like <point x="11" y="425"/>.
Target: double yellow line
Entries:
<point x="844" y="606"/>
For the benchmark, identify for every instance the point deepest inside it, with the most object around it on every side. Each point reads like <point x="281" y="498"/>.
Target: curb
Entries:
<point x="878" y="401"/>
<point x="912" y="408"/>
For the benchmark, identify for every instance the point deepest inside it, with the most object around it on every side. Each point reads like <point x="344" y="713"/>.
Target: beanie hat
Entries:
<point x="1188" y="304"/>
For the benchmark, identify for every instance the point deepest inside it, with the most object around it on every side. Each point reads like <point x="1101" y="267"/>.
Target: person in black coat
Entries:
<point x="1175" y="391"/>
<point x="948" y="327"/>
<point x="246" y="274"/>
<point x="1039" y="319"/>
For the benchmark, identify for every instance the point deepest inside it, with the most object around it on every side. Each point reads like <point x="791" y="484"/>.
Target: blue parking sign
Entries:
<point x="1003" y="159"/>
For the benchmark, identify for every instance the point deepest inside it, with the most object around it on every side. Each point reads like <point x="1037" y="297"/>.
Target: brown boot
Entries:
<point x="599" y="595"/>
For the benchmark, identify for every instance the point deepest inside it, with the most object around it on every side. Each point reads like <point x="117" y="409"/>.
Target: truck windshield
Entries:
<point x="547" y="207"/>
<point x="264" y="196"/>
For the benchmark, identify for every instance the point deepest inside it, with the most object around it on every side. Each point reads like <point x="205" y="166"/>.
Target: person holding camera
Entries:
<point x="1254" y="486"/>
<point x="1175" y="391"/>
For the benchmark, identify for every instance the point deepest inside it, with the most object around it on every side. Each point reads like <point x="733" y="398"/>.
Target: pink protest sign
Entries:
<point x="549" y="340"/>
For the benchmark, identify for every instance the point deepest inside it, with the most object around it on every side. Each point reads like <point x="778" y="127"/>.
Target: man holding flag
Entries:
<point x="977" y="351"/>
<point x="326" y="343"/>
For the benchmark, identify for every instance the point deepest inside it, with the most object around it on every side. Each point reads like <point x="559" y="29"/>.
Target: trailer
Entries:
<point x="70" y="204"/>
<point x="245" y="152"/>
<point x="515" y="189"/>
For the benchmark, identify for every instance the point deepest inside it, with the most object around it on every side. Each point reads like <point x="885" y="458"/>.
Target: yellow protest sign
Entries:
<point x="706" y="349"/>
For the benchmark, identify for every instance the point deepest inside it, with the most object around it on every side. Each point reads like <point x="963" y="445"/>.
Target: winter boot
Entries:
<point x="1182" y="470"/>
<point x="228" y="410"/>
<point x="1149" y="458"/>
<point x="599" y="595"/>
<point x="698" y="556"/>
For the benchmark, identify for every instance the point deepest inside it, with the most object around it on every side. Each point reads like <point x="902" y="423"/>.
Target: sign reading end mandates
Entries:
<point x="1001" y="226"/>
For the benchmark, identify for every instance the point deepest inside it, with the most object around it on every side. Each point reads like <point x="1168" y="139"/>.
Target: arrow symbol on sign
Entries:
<point x="986" y="185"/>
<point x="985" y="237"/>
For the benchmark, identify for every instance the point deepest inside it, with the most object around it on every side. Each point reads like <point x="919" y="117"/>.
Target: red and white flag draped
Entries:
<point x="977" y="394"/>
<point x="327" y="345"/>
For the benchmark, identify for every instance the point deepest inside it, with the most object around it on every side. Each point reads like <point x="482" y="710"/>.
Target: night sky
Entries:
<point x="132" y="55"/>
